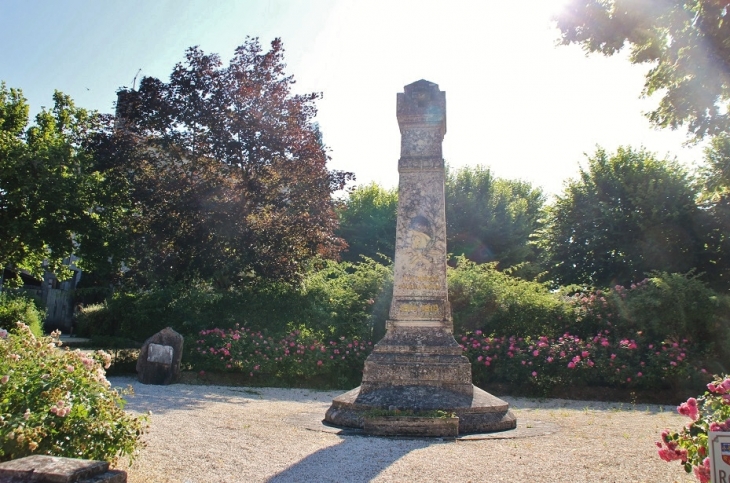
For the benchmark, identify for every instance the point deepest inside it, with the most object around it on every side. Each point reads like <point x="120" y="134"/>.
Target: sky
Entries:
<point x="515" y="101"/>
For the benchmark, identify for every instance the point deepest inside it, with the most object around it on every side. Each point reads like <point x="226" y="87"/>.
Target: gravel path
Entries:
<point x="238" y="434"/>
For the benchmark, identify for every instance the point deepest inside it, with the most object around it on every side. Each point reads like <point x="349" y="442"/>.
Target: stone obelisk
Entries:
<point x="418" y="366"/>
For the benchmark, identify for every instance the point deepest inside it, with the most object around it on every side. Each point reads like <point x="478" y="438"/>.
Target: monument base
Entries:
<point x="479" y="413"/>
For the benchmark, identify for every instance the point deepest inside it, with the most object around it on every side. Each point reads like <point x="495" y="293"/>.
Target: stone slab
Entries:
<point x="526" y="428"/>
<point x="480" y="413"/>
<point x="54" y="469"/>
<point x="411" y="426"/>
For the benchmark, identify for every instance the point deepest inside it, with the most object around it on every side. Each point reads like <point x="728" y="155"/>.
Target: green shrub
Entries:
<point x="60" y="403"/>
<point x="94" y="320"/>
<point x="494" y="302"/>
<point x="334" y="299"/>
<point x="17" y="307"/>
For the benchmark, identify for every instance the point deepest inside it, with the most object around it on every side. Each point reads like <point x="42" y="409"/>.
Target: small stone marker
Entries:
<point x="159" y="359"/>
<point x="54" y="469"/>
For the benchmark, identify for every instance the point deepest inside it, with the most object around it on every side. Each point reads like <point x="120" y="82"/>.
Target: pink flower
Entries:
<point x="534" y="374"/>
<point x="319" y="363"/>
<point x="535" y="353"/>
<point x="638" y="374"/>
<point x="571" y="365"/>
<point x="5" y="379"/>
<point x="550" y="359"/>
<point x="689" y="409"/>
<point x="584" y="354"/>
<point x="702" y="472"/>
<point x="613" y="356"/>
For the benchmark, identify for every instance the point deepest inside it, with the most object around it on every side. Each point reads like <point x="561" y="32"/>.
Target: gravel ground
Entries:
<point x="239" y="434"/>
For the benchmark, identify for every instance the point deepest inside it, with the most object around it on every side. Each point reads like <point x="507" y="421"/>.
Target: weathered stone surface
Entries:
<point x="411" y="426"/>
<point x="53" y="469"/>
<point x="159" y="359"/>
<point x="418" y="365"/>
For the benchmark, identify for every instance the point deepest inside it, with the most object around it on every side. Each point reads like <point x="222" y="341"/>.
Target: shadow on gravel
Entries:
<point x="355" y="459"/>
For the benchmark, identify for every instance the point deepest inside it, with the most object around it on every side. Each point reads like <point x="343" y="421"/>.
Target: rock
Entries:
<point x="159" y="358"/>
<point x="47" y="469"/>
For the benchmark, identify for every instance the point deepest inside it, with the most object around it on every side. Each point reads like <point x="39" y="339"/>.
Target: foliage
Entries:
<point x="409" y="413"/>
<point x="292" y="357"/>
<point x="606" y="359"/>
<point x="50" y="191"/>
<point x="484" y="298"/>
<point x="367" y="222"/>
<point x="334" y="299"/>
<point x="629" y="213"/>
<point x="60" y="403"/>
<point x="658" y="333"/>
<point x="714" y="220"/>
<point x="491" y="219"/>
<point x="687" y="44"/>
<point x="709" y="412"/>
<point x="17" y="307"/>
<point x="226" y="172"/>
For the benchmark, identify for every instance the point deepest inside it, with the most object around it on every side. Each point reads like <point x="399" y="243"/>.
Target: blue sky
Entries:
<point x="515" y="101"/>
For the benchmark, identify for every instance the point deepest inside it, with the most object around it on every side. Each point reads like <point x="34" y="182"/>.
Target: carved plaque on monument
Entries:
<point x="418" y="365"/>
<point x="161" y="354"/>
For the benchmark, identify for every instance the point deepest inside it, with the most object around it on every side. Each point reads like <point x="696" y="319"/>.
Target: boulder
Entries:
<point x="159" y="358"/>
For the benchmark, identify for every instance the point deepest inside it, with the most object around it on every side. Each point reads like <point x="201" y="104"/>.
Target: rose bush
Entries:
<point x="295" y="356"/>
<point x="605" y="359"/>
<point x="689" y="446"/>
<point x="60" y="403"/>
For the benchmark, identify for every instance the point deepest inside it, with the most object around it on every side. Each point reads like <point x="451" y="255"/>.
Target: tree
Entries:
<point x="686" y="42"/>
<point x="714" y="221"/>
<point x="50" y="190"/>
<point x="367" y="222"/>
<point x="629" y="213"/>
<point x="226" y="169"/>
<point x="487" y="218"/>
<point x="491" y="219"/>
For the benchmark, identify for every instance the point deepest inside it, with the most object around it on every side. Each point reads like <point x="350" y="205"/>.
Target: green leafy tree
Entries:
<point x="491" y="219"/>
<point x="629" y="213"/>
<point x="686" y="43"/>
<point x="367" y="222"/>
<point x="226" y="169"/>
<point x="714" y="220"/>
<point x="487" y="218"/>
<point x="51" y="194"/>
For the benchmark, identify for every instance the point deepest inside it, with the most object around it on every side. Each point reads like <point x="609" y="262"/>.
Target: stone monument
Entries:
<point x="418" y="367"/>
<point x="159" y="358"/>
